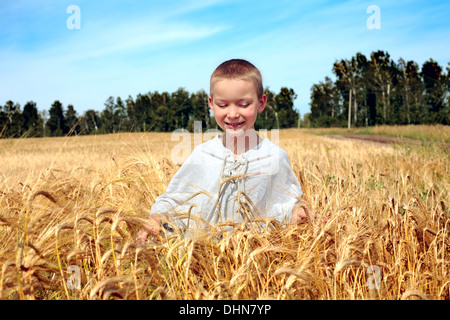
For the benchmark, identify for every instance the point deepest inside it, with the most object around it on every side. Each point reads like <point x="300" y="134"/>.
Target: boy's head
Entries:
<point x="237" y="69"/>
<point x="236" y="95"/>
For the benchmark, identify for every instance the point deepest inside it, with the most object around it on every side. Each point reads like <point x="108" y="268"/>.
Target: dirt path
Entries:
<point x="379" y="139"/>
<point x="373" y="138"/>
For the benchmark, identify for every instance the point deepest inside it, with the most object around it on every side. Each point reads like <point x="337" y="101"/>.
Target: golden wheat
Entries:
<point x="79" y="201"/>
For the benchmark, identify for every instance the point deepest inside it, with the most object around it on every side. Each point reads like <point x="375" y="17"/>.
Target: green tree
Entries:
<point x="162" y="113"/>
<point x="120" y="115"/>
<point x="131" y="115"/>
<point x="379" y="91"/>
<point x="91" y="122"/>
<point x="56" y="123"/>
<point x="435" y="93"/>
<point x="286" y="114"/>
<point x="142" y="112"/>
<point x="325" y="104"/>
<point x="410" y="89"/>
<point x="3" y="121"/>
<point x="72" y="122"/>
<point x="108" y="117"/>
<point x="13" y="120"/>
<point x="447" y="97"/>
<point x="200" y="110"/>
<point x="366" y="108"/>
<point x="181" y="104"/>
<point x="45" y="132"/>
<point x="31" y="121"/>
<point x="348" y="75"/>
<point x="382" y="74"/>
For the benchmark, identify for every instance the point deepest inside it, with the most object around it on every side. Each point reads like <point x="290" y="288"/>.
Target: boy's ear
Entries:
<point x="210" y="103"/>
<point x="262" y="103"/>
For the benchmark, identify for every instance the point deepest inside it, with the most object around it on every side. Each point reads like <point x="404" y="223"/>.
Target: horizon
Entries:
<point x="124" y="49"/>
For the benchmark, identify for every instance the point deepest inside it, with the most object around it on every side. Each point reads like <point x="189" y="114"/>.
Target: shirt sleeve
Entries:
<point x="192" y="188"/>
<point x="181" y="187"/>
<point x="286" y="191"/>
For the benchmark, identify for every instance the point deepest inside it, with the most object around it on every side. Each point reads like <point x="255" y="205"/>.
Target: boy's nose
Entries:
<point x="233" y="112"/>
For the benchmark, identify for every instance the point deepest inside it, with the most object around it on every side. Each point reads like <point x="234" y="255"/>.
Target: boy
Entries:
<point x="236" y="174"/>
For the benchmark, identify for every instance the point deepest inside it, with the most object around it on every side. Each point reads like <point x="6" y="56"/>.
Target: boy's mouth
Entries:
<point x="234" y="125"/>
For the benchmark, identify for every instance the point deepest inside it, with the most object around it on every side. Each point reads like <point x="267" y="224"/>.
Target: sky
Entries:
<point x="125" y="48"/>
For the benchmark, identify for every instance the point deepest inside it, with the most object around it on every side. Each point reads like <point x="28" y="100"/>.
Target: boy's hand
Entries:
<point x="301" y="214"/>
<point x="151" y="227"/>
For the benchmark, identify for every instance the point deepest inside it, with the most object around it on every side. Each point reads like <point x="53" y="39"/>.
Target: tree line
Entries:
<point x="377" y="90"/>
<point x="152" y="111"/>
<point x="367" y="91"/>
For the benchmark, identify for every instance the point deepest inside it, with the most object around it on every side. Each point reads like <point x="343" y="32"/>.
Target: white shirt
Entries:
<point x="263" y="174"/>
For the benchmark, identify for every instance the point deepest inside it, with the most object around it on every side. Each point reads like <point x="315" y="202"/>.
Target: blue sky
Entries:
<point x="129" y="47"/>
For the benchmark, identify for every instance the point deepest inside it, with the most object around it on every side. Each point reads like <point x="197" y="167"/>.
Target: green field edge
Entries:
<point x="419" y="133"/>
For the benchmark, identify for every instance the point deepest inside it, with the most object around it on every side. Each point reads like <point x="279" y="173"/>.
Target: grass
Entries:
<point x="79" y="201"/>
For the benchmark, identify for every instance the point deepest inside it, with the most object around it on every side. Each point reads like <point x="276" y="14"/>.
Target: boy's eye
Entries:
<point x="223" y="105"/>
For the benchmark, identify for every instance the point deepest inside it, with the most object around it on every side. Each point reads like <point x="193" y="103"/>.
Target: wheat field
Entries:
<point x="74" y="204"/>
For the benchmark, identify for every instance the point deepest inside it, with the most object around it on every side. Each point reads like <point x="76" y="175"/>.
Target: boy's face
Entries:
<point x="235" y="104"/>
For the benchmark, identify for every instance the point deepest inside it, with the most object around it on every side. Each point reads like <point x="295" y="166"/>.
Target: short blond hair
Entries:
<point x="237" y="69"/>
